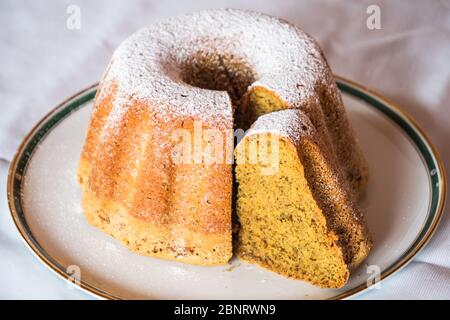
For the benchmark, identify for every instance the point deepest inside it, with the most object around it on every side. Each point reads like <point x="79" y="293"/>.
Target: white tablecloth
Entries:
<point x="43" y="62"/>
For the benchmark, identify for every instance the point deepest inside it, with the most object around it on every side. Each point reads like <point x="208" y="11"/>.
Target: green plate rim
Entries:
<point x="424" y="146"/>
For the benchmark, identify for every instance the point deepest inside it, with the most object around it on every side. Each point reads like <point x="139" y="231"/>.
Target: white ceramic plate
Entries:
<point x="403" y="204"/>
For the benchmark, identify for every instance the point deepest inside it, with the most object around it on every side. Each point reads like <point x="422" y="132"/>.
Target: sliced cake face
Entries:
<point x="285" y="225"/>
<point x="281" y="226"/>
<point x="326" y="112"/>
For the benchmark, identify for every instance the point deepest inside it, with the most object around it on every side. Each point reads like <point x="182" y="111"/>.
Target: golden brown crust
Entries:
<point x="153" y="237"/>
<point x="343" y="216"/>
<point x="126" y="169"/>
<point x="355" y="169"/>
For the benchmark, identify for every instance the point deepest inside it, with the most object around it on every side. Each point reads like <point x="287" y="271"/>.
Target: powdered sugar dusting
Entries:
<point x="290" y="123"/>
<point x="148" y="65"/>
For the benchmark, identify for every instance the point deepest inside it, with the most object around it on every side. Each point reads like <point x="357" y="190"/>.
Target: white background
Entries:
<point x="43" y="62"/>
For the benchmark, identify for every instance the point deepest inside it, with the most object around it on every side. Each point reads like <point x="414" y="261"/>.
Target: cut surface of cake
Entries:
<point x="198" y="75"/>
<point x="296" y="215"/>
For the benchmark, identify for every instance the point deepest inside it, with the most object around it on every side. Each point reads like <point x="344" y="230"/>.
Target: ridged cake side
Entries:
<point x="134" y="191"/>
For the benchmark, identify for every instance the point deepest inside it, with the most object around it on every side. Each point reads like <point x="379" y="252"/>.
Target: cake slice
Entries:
<point x="296" y="214"/>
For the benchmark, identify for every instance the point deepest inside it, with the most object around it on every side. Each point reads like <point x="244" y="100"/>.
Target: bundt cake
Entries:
<point x="296" y="215"/>
<point x="156" y="169"/>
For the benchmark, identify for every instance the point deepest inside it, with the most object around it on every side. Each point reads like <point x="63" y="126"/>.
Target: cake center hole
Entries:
<point x="218" y="71"/>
